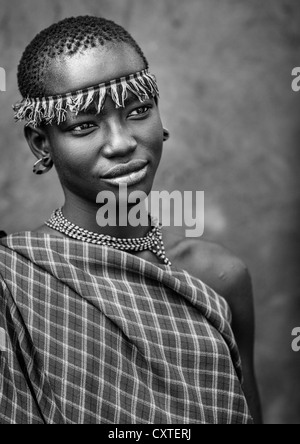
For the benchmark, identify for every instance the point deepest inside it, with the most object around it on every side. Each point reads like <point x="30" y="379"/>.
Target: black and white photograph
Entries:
<point x="149" y="214"/>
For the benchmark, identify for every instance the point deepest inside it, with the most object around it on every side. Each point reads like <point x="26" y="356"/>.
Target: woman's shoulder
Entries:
<point x="44" y="229"/>
<point x="37" y="232"/>
<point x="213" y="264"/>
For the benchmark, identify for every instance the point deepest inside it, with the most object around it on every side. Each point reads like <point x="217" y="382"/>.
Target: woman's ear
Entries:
<point x="37" y="140"/>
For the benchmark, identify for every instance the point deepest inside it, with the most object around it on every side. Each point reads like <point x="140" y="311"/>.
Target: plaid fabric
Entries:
<point x="94" y="335"/>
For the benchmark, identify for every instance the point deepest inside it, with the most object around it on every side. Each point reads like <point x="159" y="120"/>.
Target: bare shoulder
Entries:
<point x="211" y="262"/>
<point x="227" y="274"/>
<point x="216" y="266"/>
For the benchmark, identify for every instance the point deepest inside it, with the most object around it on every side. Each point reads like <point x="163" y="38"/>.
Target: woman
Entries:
<point x="115" y="323"/>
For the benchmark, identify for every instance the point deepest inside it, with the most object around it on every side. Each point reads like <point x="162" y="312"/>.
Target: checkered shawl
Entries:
<point x="94" y="335"/>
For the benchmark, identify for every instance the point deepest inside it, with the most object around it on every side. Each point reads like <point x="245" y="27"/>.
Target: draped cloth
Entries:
<point x="89" y="334"/>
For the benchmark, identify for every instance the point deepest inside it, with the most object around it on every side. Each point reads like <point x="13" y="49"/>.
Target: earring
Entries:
<point x="43" y="165"/>
<point x="166" y="135"/>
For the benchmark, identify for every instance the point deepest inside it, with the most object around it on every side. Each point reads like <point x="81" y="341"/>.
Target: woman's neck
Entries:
<point x="117" y="222"/>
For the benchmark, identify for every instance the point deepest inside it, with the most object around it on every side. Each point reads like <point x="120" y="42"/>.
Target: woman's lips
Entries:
<point x="129" y="179"/>
<point x="125" y="168"/>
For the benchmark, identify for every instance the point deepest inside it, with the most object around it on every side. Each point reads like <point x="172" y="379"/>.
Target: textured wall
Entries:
<point x="224" y="69"/>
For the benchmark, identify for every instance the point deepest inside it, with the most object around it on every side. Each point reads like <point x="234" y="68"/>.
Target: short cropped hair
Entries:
<point x="66" y="37"/>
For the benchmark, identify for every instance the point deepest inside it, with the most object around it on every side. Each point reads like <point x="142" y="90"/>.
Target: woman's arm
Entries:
<point x="240" y="298"/>
<point x="229" y="277"/>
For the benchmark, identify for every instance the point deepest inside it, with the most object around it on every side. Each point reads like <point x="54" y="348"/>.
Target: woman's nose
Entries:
<point x="119" y="141"/>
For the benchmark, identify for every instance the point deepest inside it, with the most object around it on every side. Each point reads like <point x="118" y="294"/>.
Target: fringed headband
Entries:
<point x="54" y="108"/>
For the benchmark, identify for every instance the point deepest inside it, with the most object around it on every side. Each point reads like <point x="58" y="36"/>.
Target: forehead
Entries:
<point x="91" y="67"/>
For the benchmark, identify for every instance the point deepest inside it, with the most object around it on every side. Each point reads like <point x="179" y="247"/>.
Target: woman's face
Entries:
<point x="85" y="148"/>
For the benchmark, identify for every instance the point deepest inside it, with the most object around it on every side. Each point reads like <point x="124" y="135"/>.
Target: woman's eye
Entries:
<point x="140" y="111"/>
<point x="83" y="127"/>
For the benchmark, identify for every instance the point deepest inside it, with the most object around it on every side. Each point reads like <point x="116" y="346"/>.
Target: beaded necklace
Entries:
<point x="152" y="241"/>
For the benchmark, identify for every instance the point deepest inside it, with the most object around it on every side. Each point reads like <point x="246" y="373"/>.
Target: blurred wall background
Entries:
<point x="224" y="70"/>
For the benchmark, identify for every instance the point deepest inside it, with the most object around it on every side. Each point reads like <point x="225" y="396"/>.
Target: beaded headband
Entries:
<point x="54" y="108"/>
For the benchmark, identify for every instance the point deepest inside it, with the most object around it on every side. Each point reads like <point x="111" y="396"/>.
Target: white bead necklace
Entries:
<point x="152" y="241"/>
